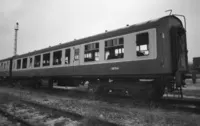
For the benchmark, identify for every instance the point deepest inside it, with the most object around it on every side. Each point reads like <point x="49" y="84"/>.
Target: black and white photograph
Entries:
<point x="99" y="63"/>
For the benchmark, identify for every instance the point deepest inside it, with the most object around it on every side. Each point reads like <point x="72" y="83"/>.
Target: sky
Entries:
<point x="44" y="23"/>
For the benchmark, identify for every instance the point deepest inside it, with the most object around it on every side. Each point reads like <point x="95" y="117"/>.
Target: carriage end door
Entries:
<point x="179" y="49"/>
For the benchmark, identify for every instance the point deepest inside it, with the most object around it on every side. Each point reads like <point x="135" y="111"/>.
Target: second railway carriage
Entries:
<point x="153" y="50"/>
<point x="5" y="69"/>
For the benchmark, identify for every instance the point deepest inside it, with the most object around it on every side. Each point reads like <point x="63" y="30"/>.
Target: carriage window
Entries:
<point x="114" y="48"/>
<point x="57" y="57"/>
<point x="46" y="59"/>
<point x="37" y="61"/>
<point x="24" y="63"/>
<point x="76" y="54"/>
<point x="4" y="66"/>
<point x="8" y="65"/>
<point x="1" y="65"/>
<point x="91" y="52"/>
<point x="18" y="63"/>
<point x="142" y="42"/>
<point x="13" y="64"/>
<point x="67" y="56"/>
<point x="30" y="62"/>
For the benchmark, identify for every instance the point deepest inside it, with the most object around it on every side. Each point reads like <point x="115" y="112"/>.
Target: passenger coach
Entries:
<point x="154" y="50"/>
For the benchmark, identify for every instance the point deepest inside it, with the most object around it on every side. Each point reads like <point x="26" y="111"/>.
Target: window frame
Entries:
<point x="46" y="65"/>
<point x="23" y="63"/>
<point x="31" y="64"/>
<point x="90" y="55"/>
<point x="110" y="46"/>
<point x="1" y="64"/>
<point x="76" y="57"/>
<point x="141" y="53"/>
<point x="13" y="64"/>
<point x="4" y="65"/>
<point x="53" y="53"/>
<point x="38" y="62"/>
<point x="18" y="68"/>
<point x="69" y="59"/>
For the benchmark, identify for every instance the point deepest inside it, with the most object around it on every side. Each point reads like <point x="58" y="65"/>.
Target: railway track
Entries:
<point x="71" y="115"/>
<point x="72" y="98"/>
<point x="29" y="113"/>
<point x="13" y="120"/>
<point x="186" y="105"/>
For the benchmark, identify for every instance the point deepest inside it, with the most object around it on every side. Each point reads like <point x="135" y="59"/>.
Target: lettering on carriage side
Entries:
<point x="114" y="68"/>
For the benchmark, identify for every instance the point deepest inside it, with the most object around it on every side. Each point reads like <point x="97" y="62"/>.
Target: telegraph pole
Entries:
<point x="15" y="45"/>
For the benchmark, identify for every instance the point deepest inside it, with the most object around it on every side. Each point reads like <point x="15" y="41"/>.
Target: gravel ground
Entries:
<point x="124" y="115"/>
<point x="5" y="122"/>
<point x="192" y="90"/>
<point x="31" y="114"/>
<point x="35" y="116"/>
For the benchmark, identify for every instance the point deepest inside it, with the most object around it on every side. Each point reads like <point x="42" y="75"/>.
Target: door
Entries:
<point x="179" y="49"/>
<point x="76" y="61"/>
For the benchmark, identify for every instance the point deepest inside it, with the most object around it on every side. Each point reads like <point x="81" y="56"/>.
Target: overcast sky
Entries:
<point x="44" y="23"/>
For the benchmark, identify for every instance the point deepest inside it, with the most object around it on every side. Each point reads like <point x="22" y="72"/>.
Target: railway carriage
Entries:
<point x="5" y="69"/>
<point x="151" y="53"/>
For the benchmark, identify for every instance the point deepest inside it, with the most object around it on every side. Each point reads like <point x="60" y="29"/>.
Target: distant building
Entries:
<point x="196" y="68"/>
<point x="196" y="63"/>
